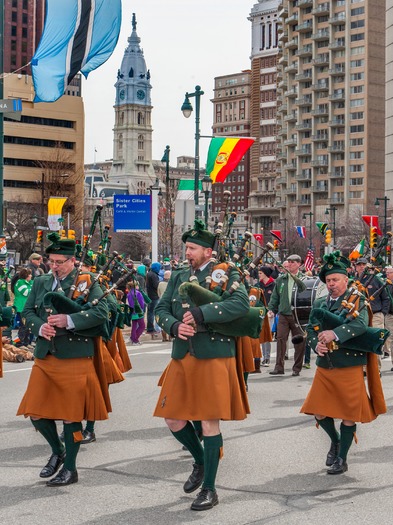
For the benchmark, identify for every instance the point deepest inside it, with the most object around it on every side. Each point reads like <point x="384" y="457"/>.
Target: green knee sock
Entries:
<point x="47" y="428"/>
<point x="72" y="446"/>
<point x="346" y="440"/>
<point x="90" y="426"/>
<point x="212" y="458"/>
<point x="328" y="426"/>
<point x="198" y="428"/>
<point x="189" y="439"/>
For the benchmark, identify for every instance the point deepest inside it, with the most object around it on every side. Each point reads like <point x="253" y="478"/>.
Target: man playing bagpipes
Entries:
<point x="339" y="332"/>
<point x="63" y="384"/>
<point x="201" y="381"/>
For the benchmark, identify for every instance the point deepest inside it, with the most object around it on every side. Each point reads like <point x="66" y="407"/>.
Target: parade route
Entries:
<point x="272" y="472"/>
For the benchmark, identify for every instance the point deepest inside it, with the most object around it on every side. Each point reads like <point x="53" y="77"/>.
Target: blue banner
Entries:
<point x="132" y="213"/>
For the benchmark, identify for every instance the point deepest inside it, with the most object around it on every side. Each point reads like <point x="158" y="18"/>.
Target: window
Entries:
<point x="356" y="155"/>
<point x="357" y="129"/>
<point x="357" y="63"/>
<point x="356" y="142"/>
<point x="357" y="50"/>
<point x="356" y="195"/>
<point x="358" y="115"/>
<point x="357" y="37"/>
<point x="357" y="76"/>
<point x="357" y="102"/>
<point x="357" y="89"/>
<point x="141" y="142"/>
<point x="357" y="11"/>
<point x="357" y="23"/>
<point x="356" y="168"/>
<point x="356" y="182"/>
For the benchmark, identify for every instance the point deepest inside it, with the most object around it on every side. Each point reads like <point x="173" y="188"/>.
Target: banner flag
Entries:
<point x="55" y="207"/>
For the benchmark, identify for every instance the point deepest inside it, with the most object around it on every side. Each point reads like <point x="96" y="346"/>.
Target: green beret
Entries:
<point x="199" y="235"/>
<point x="59" y="245"/>
<point x="334" y="263"/>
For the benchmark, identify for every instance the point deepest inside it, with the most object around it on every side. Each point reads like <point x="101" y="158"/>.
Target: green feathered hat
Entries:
<point x="90" y="256"/>
<point x="59" y="245"/>
<point x="199" y="235"/>
<point x="334" y="263"/>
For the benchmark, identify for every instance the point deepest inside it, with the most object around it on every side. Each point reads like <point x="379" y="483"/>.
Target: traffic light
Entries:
<point x="71" y="234"/>
<point x="85" y="237"/>
<point x="373" y="237"/>
<point x="62" y="234"/>
<point x="328" y="236"/>
<point x="39" y="236"/>
<point x="276" y="244"/>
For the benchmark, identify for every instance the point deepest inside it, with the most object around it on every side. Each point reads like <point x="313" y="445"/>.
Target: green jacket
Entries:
<point x="70" y="343"/>
<point x="343" y="357"/>
<point x="279" y="300"/>
<point x="205" y="344"/>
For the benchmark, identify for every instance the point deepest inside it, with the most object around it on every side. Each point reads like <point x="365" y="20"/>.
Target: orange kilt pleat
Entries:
<point x="245" y="352"/>
<point x="201" y="390"/>
<point x="118" y="351"/>
<point x="112" y="372"/>
<point x="266" y="334"/>
<point x="339" y="393"/>
<point x="63" y="389"/>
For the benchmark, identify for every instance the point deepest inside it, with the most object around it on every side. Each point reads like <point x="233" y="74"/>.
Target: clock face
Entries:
<point x="140" y="94"/>
<point x="122" y="94"/>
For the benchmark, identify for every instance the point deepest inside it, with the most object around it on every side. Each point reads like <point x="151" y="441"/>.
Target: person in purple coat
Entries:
<point x="137" y="304"/>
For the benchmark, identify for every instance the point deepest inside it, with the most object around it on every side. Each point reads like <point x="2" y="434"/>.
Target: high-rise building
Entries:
<point x="231" y="109"/>
<point x="389" y="110"/>
<point x="23" y="24"/>
<point x="331" y="91"/>
<point x="132" y="144"/>
<point x="262" y="212"/>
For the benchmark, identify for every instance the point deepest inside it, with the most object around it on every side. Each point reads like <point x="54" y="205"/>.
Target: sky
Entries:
<point x="185" y="43"/>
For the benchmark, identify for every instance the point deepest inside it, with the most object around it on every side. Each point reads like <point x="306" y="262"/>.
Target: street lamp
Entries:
<point x="187" y="110"/>
<point x="206" y="188"/>
<point x="35" y="222"/>
<point x="154" y="190"/>
<point x="333" y="209"/>
<point x="309" y="214"/>
<point x="285" y="231"/>
<point x="385" y="212"/>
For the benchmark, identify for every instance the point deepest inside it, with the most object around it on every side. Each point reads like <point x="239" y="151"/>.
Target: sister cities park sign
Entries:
<point x="132" y="213"/>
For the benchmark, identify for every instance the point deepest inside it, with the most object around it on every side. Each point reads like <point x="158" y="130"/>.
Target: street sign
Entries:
<point x="132" y="213"/>
<point x="10" y="105"/>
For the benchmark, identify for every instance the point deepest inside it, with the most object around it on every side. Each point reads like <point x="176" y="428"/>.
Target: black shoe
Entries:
<point x="391" y="369"/>
<point x="205" y="500"/>
<point x="88" y="437"/>
<point x="64" y="477"/>
<point x="339" y="466"/>
<point x="276" y="373"/>
<point x="61" y="436"/>
<point x="295" y="374"/>
<point x="195" y="479"/>
<point x="53" y="465"/>
<point x="332" y="454"/>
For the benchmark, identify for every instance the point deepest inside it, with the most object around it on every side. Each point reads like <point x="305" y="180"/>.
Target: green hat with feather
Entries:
<point x="334" y="263"/>
<point x="199" y="235"/>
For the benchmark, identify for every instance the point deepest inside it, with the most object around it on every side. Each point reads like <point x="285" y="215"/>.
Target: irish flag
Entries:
<point x="224" y="155"/>
<point x="358" y="251"/>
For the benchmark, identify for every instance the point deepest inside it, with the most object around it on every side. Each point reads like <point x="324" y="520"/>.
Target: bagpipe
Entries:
<point x="371" y="340"/>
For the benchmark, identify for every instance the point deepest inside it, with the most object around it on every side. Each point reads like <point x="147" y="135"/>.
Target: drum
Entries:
<point x="302" y="301"/>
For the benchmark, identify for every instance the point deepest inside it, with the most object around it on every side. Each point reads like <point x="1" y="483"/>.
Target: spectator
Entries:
<point x="141" y="276"/>
<point x="34" y="265"/>
<point x="160" y="291"/>
<point x="138" y="322"/>
<point x="22" y="290"/>
<point x="266" y="284"/>
<point x="152" y="281"/>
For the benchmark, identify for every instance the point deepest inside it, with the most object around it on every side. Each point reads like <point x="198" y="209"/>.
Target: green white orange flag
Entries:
<point x="224" y="155"/>
<point x="358" y="251"/>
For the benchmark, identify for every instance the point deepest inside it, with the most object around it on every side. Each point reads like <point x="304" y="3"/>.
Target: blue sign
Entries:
<point x="132" y="213"/>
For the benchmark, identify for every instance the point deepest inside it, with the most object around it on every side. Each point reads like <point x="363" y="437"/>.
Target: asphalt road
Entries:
<point x="272" y="472"/>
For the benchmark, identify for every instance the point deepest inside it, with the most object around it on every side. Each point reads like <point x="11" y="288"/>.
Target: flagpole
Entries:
<point x="1" y="117"/>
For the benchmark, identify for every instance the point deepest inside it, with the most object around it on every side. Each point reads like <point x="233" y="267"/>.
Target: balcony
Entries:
<point x="290" y="191"/>
<point x="304" y="77"/>
<point x="281" y="180"/>
<point x="283" y="84"/>
<point x="305" y="3"/>
<point x="338" y="70"/>
<point x="323" y="34"/>
<point x="283" y="60"/>
<point x="320" y="137"/>
<point x="291" y="117"/>
<point x="301" y="152"/>
<point x="283" y="13"/>
<point x="292" y="68"/>
<point x="303" y="126"/>
<point x="338" y="19"/>
<point x="305" y="51"/>
<point x="336" y="200"/>
<point x="280" y="204"/>
<point x="337" y="122"/>
<point x="320" y="111"/>
<point x="291" y="142"/>
<point x="303" y="176"/>
<point x="283" y="36"/>
<point x="319" y="163"/>
<point x="322" y="85"/>
<point x="338" y="95"/>
<point x="304" y="101"/>
<point x="337" y="44"/>
<point x="291" y="166"/>
<point x="339" y="147"/>
<point x="306" y="26"/>
<point x="291" y="93"/>
<point x="292" y="20"/>
<point x="282" y="109"/>
<point x="322" y="60"/>
<point x="292" y="44"/>
<point x="322" y="9"/>
<point x="281" y="156"/>
<point x="305" y="201"/>
<point x="319" y="189"/>
<point x="336" y="174"/>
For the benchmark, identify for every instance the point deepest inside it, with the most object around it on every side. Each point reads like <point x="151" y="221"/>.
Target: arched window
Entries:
<point x="120" y="141"/>
<point x="141" y="142"/>
<point x="121" y="119"/>
<point x="141" y="118"/>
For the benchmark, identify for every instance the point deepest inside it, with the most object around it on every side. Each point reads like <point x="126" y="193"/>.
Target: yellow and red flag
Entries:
<point x="224" y="155"/>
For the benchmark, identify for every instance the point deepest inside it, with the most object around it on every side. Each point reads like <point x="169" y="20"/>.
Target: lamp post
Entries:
<point x="35" y="222"/>
<point x="154" y="190"/>
<point x="309" y="214"/>
<point x="168" y="207"/>
<point x="206" y="188"/>
<point x="385" y="211"/>
<point x="333" y="209"/>
<point x="187" y="110"/>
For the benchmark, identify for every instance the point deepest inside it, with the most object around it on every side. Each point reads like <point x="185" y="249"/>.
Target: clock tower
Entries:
<point x="132" y="143"/>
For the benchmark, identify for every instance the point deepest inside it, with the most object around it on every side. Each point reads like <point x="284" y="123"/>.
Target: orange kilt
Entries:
<point x="64" y="389"/>
<point x="201" y="390"/>
<point x="339" y="393"/>
<point x="245" y="352"/>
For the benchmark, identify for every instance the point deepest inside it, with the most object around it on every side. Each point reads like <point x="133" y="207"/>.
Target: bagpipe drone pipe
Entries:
<point x="248" y="325"/>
